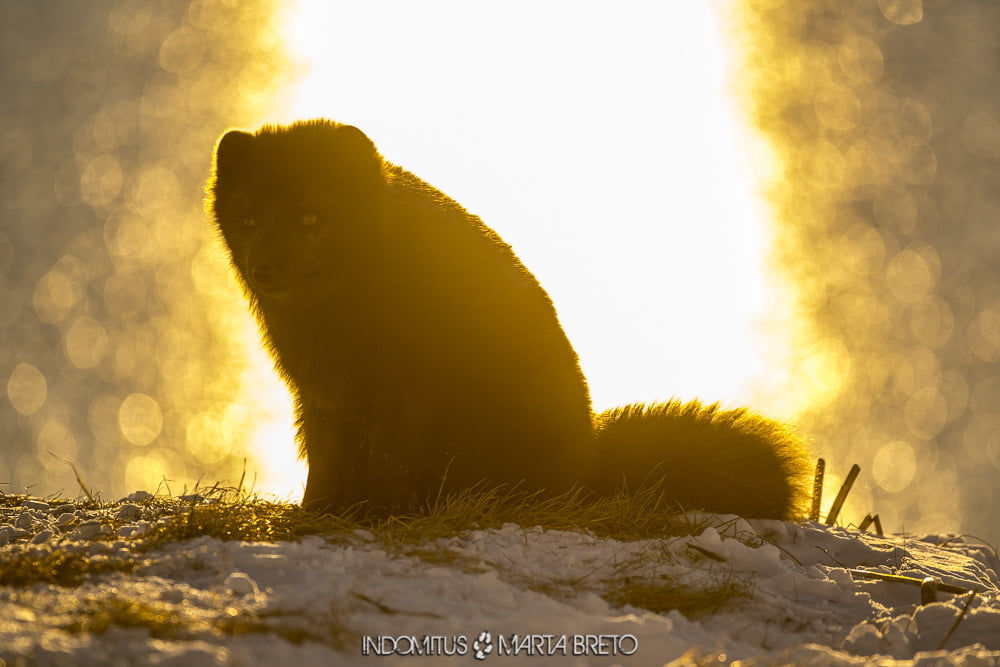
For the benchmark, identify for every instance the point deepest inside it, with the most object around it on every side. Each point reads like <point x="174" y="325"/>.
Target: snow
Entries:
<point x="541" y="595"/>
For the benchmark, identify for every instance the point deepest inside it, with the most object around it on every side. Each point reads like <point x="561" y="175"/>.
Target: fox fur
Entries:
<point x="423" y="357"/>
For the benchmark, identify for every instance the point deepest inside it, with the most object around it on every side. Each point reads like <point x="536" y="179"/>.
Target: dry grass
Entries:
<point x="59" y="566"/>
<point x="237" y="516"/>
<point x="232" y="514"/>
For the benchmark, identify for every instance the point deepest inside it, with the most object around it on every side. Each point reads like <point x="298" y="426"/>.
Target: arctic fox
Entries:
<point x="423" y="356"/>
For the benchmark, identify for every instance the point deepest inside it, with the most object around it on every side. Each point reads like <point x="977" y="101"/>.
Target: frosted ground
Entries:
<point x="514" y="595"/>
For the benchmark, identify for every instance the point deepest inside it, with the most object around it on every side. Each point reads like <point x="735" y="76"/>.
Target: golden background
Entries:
<point x="125" y="346"/>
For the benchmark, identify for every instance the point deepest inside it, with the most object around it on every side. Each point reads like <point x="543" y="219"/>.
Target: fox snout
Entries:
<point x="263" y="277"/>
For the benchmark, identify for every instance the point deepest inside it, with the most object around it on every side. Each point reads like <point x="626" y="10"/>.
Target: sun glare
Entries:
<point x="604" y="146"/>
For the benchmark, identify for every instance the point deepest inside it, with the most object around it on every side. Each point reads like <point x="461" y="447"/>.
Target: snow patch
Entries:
<point x="539" y="596"/>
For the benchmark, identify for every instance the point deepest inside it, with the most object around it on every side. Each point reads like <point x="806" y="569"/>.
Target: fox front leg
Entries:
<point x="336" y="443"/>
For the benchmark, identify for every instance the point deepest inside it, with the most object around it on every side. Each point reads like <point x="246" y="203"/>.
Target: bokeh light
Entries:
<point x="883" y="118"/>
<point x="115" y="355"/>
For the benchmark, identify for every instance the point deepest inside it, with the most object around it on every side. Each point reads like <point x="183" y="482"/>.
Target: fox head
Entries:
<point x="295" y="203"/>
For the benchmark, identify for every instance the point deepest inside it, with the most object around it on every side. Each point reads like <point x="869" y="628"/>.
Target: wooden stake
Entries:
<point x="817" y="489"/>
<point x="845" y="488"/>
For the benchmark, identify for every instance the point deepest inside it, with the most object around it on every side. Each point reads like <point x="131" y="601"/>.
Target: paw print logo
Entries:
<point x="483" y="645"/>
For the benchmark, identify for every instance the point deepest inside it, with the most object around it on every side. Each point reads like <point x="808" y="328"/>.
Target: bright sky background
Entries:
<point x="601" y="143"/>
<point x="597" y="139"/>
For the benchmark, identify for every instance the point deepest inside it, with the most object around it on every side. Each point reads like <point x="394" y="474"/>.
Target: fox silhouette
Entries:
<point x="424" y="357"/>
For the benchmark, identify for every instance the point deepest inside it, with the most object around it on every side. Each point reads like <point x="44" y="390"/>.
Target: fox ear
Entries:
<point x="354" y="139"/>
<point x="232" y="148"/>
<point x="354" y="146"/>
<point x="357" y="152"/>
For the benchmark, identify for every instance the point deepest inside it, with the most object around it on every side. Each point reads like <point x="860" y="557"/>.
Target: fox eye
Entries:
<point x="308" y="219"/>
<point x="249" y="221"/>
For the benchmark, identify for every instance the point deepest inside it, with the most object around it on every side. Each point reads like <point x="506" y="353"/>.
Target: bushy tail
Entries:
<point x="704" y="457"/>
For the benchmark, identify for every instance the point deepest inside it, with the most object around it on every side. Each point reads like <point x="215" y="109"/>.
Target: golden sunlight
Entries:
<point x="648" y="161"/>
<point x="604" y="146"/>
